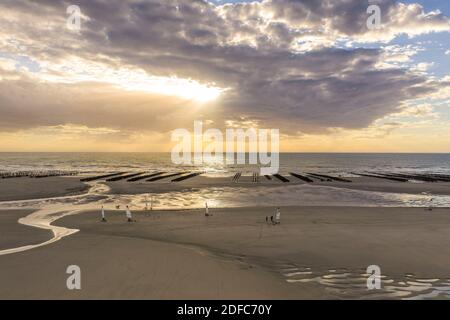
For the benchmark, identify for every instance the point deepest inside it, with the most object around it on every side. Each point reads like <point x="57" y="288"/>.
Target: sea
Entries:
<point x="332" y="163"/>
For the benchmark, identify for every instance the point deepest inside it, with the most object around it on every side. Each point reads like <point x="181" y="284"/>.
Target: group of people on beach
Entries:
<point x="273" y="220"/>
<point x="130" y="217"/>
<point x="127" y="213"/>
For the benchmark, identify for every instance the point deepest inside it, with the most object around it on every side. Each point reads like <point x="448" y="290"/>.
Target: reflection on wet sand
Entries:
<point x="52" y="209"/>
<point x="352" y="284"/>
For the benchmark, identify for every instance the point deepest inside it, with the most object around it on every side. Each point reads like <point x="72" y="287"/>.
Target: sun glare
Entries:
<point x="77" y="70"/>
<point x="183" y="88"/>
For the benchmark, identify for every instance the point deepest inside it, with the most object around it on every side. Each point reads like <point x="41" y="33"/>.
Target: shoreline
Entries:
<point x="358" y="183"/>
<point x="28" y="189"/>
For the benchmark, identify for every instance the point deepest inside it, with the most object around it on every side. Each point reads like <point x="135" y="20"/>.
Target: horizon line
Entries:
<point x="293" y="152"/>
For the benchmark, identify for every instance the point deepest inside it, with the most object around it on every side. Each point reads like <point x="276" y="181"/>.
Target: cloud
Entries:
<point x="422" y="67"/>
<point x="27" y="104"/>
<point x="423" y="110"/>
<point x="276" y="63"/>
<point x="339" y="18"/>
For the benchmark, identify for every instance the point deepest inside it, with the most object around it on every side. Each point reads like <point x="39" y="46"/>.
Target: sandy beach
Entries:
<point x="32" y="188"/>
<point x="14" y="234"/>
<point x="317" y="252"/>
<point x="235" y="255"/>
<point x="123" y="267"/>
<point x="312" y="236"/>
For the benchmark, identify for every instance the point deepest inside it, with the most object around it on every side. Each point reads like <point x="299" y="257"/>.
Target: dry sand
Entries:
<point x="32" y="188"/>
<point x="14" y="234"/>
<point x="121" y="267"/>
<point x="233" y="254"/>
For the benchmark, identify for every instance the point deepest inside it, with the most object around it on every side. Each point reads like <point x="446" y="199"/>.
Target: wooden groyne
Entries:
<point x="441" y="177"/>
<point x="10" y="175"/>
<point x="420" y="177"/>
<point x="329" y="177"/>
<point x="380" y="177"/>
<point x="303" y="178"/>
<point x="189" y="176"/>
<point x="322" y="179"/>
<point x="53" y="173"/>
<point x="237" y="176"/>
<point x="124" y="177"/>
<point x="281" y="178"/>
<point x="37" y="174"/>
<point x="268" y="177"/>
<point x="410" y="177"/>
<point x="101" y="177"/>
<point x="313" y="178"/>
<point x="166" y="176"/>
<point x="145" y="176"/>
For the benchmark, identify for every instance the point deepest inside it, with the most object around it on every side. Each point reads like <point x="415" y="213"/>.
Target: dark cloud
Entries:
<point x="251" y="49"/>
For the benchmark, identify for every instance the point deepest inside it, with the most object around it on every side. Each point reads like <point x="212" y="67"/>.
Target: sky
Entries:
<point x="138" y="69"/>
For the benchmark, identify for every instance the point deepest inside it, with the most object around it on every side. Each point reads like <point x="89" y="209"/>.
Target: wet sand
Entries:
<point x="401" y="240"/>
<point x="28" y="188"/>
<point x="358" y="183"/>
<point x="13" y="234"/>
<point x="231" y="255"/>
<point x="380" y="185"/>
<point x="123" y="267"/>
<point x="32" y="188"/>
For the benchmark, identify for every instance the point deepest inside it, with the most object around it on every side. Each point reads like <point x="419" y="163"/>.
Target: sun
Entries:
<point x="172" y="86"/>
<point x="132" y="79"/>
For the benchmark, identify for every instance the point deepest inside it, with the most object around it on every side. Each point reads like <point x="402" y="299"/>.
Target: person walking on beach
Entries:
<point x="430" y="207"/>
<point x="129" y="216"/>
<point x="278" y="216"/>
<point x="206" y="209"/>
<point x="103" y="215"/>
